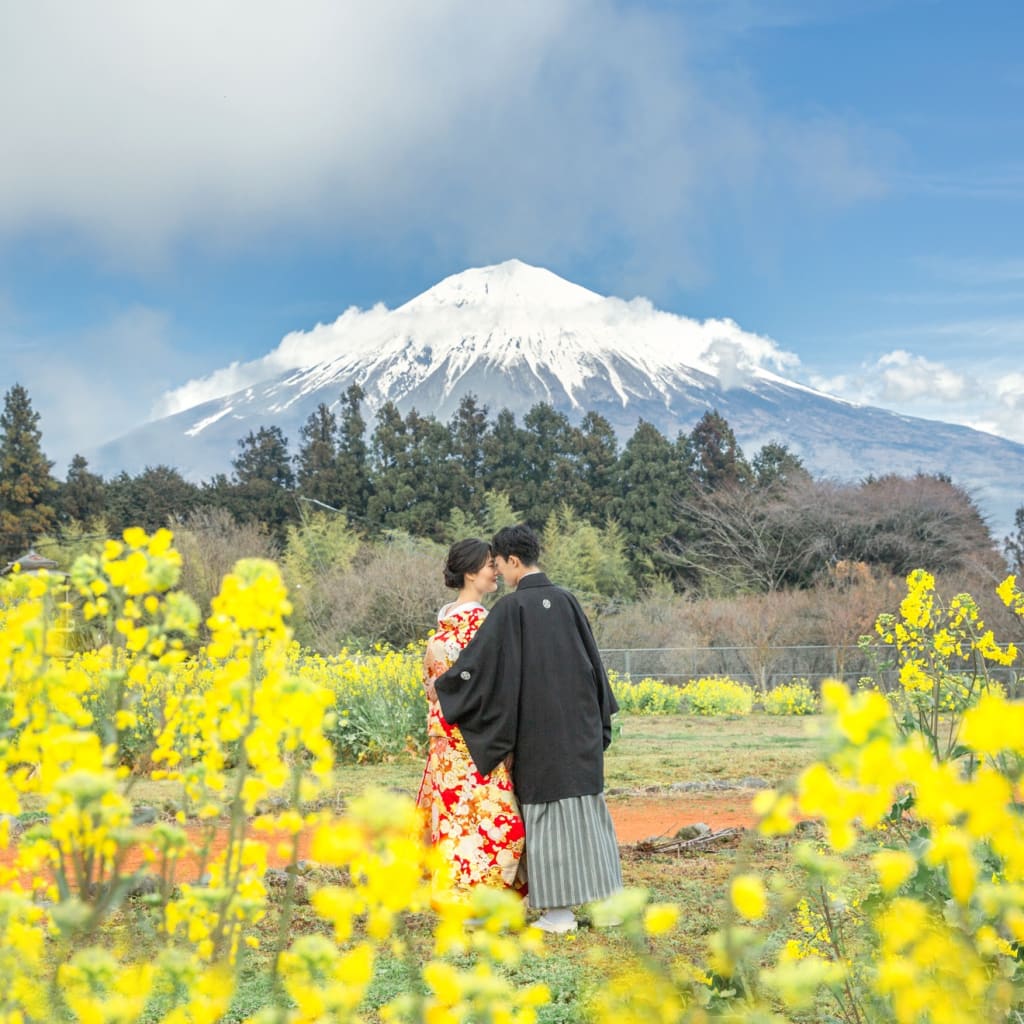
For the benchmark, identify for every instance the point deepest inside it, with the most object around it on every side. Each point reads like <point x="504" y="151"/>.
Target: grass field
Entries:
<point x="649" y="752"/>
<point x="658" y="751"/>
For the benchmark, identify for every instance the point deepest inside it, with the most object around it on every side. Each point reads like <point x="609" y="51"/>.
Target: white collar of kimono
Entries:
<point x="448" y="610"/>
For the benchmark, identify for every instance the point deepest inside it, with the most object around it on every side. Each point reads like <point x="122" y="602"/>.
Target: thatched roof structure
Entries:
<point x="31" y="561"/>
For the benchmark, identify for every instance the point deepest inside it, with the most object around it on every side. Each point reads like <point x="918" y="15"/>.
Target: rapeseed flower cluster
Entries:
<point x="934" y="932"/>
<point x="937" y="936"/>
<point x="378" y="709"/>
<point x="242" y="725"/>
<point x="718" y="695"/>
<point x="793" y="698"/>
<point x="248" y="725"/>
<point x="646" y="696"/>
<point x="943" y="653"/>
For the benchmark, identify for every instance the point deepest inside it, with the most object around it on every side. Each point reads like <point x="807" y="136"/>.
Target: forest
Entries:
<point x="671" y="542"/>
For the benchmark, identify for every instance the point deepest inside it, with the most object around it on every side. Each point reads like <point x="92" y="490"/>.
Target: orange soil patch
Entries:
<point x="643" y="817"/>
<point x="635" y="818"/>
<point x="188" y="868"/>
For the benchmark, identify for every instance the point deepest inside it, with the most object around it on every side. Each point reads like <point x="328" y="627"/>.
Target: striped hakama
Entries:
<point x="572" y="855"/>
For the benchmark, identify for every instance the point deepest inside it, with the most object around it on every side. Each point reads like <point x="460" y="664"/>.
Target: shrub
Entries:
<point x="792" y="698"/>
<point x="717" y="695"/>
<point x="646" y="697"/>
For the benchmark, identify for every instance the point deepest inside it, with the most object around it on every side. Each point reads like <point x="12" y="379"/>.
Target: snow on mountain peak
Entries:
<point x="506" y="318"/>
<point x="509" y="285"/>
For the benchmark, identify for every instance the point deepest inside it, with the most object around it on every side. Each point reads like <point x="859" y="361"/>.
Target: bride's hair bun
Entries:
<point x="465" y="556"/>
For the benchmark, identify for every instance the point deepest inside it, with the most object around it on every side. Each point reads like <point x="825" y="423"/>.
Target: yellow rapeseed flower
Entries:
<point x="748" y="896"/>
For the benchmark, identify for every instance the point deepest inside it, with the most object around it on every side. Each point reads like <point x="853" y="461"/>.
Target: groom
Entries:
<point x="531" y="685"/>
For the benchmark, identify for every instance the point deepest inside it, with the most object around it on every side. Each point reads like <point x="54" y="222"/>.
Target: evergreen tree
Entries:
<point x="429" y="465"/>
<point x="596" y="466"/>
<point x="354" y="486"/>
<point x="775" y="465"/>
<point x="549" y="452"/>
<point x="411" y="484"/>
<point x="504" y="456"/>
<point x="717" y="458"/>
<point x="388" y="446"/>
<point x="263" y="480"/>
<point x="649" y="481"/>
<point x="158" y="496"/>
<point x="468" y="430"/>
<point x="81" y="497"/>
<point x="317" y="462"/>
<point x="27" y="490"/>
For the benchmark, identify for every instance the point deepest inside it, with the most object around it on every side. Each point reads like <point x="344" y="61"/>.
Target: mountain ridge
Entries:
<point x="515" y="335"/>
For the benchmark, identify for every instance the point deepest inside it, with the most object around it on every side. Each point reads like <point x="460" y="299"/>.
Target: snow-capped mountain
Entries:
<point x="515" y="335"/>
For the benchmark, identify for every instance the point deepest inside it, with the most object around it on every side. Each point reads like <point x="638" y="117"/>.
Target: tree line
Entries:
<point x="692" y="512"/>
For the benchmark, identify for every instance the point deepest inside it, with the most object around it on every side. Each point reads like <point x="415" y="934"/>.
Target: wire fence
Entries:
<point x="767" y="667"/>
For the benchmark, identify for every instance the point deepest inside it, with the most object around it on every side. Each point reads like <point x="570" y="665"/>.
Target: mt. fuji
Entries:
<point x="515" y="335"/>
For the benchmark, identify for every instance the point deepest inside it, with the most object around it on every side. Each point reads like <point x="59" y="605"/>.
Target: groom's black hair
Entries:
<point x="518" y="540"/>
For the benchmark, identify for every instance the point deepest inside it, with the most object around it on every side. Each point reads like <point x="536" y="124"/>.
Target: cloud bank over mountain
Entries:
<point x="546" y="320"/>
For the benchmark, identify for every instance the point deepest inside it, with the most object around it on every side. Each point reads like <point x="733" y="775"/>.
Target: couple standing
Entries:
<point x="519" y="719"/>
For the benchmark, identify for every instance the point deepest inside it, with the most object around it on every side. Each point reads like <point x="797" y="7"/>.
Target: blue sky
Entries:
<point x="182" y="185"/>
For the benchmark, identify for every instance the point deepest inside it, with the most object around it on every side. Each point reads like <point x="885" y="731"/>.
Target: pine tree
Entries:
<point x="387" y="445"/>
<point x="596" y="465"/>
<point x="263" y="480"/>
<point x="27" y="489"/>
<point x="717" y="458"/>
<point x="354" y="485"/>
<point x="317" y="464"/>
<point x="81" y="497"/>
<point x="775" y="466"/>
<point x="412" y="468"/>
<point x="468" y="430"/>
<point x="550" y="445"/>
<point x="650" y="480"/>
<point x="157" y="497"/>
<point x="504" y="457"/>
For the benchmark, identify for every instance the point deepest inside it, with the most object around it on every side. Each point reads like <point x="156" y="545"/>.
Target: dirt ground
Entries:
<point x="636" y="818"/>
<point x="644" y="817"/>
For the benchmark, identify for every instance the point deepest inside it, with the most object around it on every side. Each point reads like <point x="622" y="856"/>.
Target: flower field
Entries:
<point x="885" y="882"/>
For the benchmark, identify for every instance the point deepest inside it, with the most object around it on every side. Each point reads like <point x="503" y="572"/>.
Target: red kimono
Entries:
<point x="473" y="818"/>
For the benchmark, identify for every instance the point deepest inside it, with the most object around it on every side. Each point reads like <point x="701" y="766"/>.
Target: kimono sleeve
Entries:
<point x="480" y="692"/>
<point x="605" y="698"/>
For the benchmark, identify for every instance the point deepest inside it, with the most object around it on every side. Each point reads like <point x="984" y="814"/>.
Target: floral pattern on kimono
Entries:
<point x="474" y="819"/>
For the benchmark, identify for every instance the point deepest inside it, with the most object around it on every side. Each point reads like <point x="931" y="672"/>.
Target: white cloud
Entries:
<point x="1009" y="389"/>
<point x="736" y="360"/>
<point x="903" y="377"/>
<point x="982" y="396"/>
<point x="296" y="349"/>
<point x="102" y="385"/>
<point x="531" y="128"/>
<point x="472" y="314"/>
